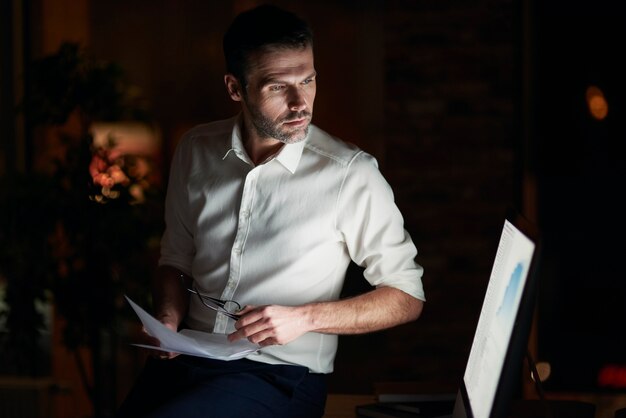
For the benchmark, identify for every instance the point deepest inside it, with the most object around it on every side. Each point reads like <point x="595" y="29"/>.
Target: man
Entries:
<point x="268" y="210"/>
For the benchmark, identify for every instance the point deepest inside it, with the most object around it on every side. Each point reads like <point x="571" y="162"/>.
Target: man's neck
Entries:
<point x="261" y="149"/>
<point x="258" y="148"/>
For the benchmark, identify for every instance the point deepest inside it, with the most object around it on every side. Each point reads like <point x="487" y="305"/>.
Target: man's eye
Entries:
<point x="308" y="81"/>
<point x="276" y="87"/>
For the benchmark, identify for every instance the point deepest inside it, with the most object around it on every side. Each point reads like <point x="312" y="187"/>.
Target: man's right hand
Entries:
<point x="146" y="339"/>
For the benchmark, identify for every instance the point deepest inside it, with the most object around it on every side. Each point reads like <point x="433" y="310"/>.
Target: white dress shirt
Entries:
<point x="282" y="232"/>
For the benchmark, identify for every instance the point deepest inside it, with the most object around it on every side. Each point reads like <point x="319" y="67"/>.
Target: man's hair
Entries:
<point x="262" y="28"/>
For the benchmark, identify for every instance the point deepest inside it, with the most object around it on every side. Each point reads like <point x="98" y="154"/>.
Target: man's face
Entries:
<point x="278" y="99"/>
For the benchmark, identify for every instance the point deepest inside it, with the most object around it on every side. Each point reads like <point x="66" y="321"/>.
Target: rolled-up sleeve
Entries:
<point x="373" y="229"/>
<point x="177" y="243"/>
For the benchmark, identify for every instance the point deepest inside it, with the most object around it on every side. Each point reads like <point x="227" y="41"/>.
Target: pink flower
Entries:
<point x="98" y="165"/>
<point x="104" y="180"/>
<point x="118" y="176"/>
<point x="109" y="167"/>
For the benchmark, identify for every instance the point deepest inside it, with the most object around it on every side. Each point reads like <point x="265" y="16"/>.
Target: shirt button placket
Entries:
<point x="243" y="227"/>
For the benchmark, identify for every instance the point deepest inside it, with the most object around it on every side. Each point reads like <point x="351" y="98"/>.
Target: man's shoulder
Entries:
<point x="216" y="128"/>
<point x="329" y="146"/>
<point x="210" y="137"/>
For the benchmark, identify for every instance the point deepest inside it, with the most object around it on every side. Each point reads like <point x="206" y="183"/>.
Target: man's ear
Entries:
<point x="232" y="87"/>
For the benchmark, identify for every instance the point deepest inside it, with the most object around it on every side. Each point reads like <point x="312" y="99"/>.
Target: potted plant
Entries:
<point x="82" y="234"/>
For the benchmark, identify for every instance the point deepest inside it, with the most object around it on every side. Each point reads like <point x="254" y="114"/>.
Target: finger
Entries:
<point x="149" y="340"/>
<point x="249" y="315"/>
<point x="235" y="336"/>
<point x="162" y="355"/>
<point x="268" y="341"/>
<point x="246" y="309"/>
<point x="264" y="338"/>
<point x="167" y="356"/>
<point x="258" y="333"/>
<point x="245" y="331"/>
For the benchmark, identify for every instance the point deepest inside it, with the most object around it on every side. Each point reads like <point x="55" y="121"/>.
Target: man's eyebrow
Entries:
<point x="280" y="79"/>
<point x="269" y="80"/>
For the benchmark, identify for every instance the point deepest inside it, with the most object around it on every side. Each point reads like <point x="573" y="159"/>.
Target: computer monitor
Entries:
<point x="493" y="369"/>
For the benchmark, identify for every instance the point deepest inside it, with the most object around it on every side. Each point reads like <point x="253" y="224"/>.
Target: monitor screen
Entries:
<point x="506" y="310"/>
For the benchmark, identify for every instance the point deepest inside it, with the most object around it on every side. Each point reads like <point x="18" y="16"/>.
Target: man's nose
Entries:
<point x="296" y="99"/>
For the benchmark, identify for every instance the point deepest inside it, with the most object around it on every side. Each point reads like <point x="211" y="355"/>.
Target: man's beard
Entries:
<point x="268" y="128"/>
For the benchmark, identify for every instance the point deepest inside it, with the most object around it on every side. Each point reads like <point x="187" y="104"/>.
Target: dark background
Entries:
<point x="581" y="171"/>
<point x="470" y="107"/>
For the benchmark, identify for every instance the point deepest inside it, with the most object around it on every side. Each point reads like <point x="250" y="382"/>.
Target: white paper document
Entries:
<point x="191" y="342"/>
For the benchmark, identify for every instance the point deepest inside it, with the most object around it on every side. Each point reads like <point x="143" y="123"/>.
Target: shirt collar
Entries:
<point x="288" y="156"/>
<point x="236" y="144"/>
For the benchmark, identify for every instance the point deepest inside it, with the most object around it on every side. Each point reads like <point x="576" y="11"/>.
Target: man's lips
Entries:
<point x="296" y="122"/>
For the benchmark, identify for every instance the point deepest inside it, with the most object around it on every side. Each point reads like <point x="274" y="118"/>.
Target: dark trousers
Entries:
<point x="190" y="387"/>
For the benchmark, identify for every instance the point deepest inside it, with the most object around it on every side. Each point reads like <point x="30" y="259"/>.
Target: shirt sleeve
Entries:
<point x="373" y="229"/>
<point x="177" y="242"/>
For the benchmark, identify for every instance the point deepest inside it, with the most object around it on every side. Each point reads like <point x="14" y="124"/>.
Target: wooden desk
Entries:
<point x="344" y="405"/>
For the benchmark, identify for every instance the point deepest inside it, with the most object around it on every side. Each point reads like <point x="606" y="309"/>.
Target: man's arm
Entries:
<point x="171" y="303"/>
<point x="379" y="309"/>
<point x="171" y="300"/>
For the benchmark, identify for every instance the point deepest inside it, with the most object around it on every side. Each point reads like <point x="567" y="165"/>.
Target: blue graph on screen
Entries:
<point x="508" y="305"/>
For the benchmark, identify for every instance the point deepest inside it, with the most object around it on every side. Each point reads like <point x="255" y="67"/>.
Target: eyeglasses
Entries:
<point x="225" y="307"/>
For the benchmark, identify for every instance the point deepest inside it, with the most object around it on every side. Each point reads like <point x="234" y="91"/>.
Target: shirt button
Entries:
<point x="237" y="250"/>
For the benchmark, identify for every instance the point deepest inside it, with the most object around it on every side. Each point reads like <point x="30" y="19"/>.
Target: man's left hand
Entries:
<point x="269" y="325"/>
